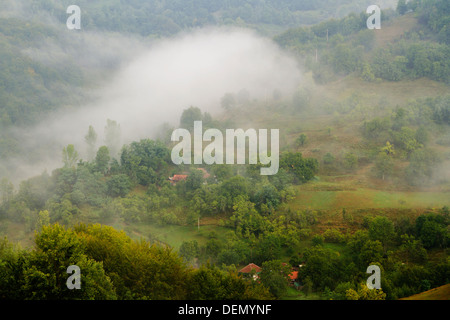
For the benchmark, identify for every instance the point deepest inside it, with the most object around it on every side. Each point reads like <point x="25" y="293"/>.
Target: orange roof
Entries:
<point x="248" y="268"/>
<point x="205" y="173"/>
<point x="293" y="275"/>
<point x="178" y="177"/>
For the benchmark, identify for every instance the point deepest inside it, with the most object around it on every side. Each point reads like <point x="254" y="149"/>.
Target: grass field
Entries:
<point x="173" y="235"/>
<point x="326" y="196"/>
<point x="439" y="293"/>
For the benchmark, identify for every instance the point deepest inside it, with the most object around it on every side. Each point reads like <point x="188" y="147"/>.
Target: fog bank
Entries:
<point x="156" y="82"/>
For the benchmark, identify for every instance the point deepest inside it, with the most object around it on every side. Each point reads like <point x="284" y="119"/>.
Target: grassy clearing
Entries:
<point x="174" y="235"/>
<point x="327" y="196"/>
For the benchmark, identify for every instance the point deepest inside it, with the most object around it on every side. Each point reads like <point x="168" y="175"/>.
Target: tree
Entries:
<point x="194" y="180"/>
<point x="269" y="248"/>
<point x="431" y="229"/>
<point x="44" y="272"/>
<point x="301" y="140"/>
<point x="406" y="140"/>
<point x="145" y="161"/>
<point x="364" y="293"/>
<point x="222" y="171"/>
<point x="268" y="197"/>
<point x="412" y="250"/>
<point x="189" y="250"/>
<point x="350" y="160"/>
<point x="371" y="252"/>
<point x="70" y="156"/>
<point x="228" y="101"/>
<point x="322" y="266"/>
<point x="118" y="185"/>
<point x="383" y="165"/>
<point x="275" y="276"/>
<point x="317" y="240"/>
<point x="328" y="159"/>
<point x="422" y="135"/>
<point x="113" y="137"/>
<point x="189" y="116"/>
<point x="102" y="159"/>
<point x="366" y="73"/>
<point x="401" y="7"/>
<point x="43" y="220"/>
<point x="421" y="166"/>
<point x="210" y="283"/>
<point x="137" y="269"/>
<point x="91" y="140"/>
<point x="232" y="188"/>
<point x="388" y="149"/>
<point x="6" y="192"/>
<point x="381" y="229"/>
<point x="303" y="169"/>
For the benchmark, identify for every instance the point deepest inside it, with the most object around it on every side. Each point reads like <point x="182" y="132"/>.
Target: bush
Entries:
<point x="334" y="236"/>
<point x="119" y="185"/>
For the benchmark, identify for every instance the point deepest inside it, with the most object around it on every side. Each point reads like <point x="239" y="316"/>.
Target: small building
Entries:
<point x="250" y="269"/>
<point x="177" y="177"/>
<point x="293" y="276"/>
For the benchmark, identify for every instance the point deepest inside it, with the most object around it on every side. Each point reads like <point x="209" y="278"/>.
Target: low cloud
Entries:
<point x="155" y="82"/>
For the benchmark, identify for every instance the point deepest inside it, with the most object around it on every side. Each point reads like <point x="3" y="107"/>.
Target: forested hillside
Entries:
<point x="363" y="173"/>
<point x="418" y="45"/>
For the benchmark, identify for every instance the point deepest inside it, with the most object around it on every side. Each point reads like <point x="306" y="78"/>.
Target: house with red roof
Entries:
<point x="177" y="178"/>
<point x="251" y="269"/>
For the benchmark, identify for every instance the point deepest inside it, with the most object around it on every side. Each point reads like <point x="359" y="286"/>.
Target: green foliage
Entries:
<point x="381" y="229"/>
<point x="301" y="140"/>
<point x="137" y="269"/>
<point x="145" y="161"/>
<point x="303" y="169"/>
<point x="384" y="165"/>
<point x="365" y="293"/>
<point x="333" y="236"/>
<point x="402" y="7"/>
<point x="322" y="266"/>
<point x="118" y="185"/>
<point x="420" y="169"/>
<point x="70" y="156"/>
<point x="432" y="230"/>
<point x="275" y="277"/>
<point x="350" y="160"/>
<point x="208" y="282"/>
<point x="113" y="136"/>
<point x="102" y="159"/>
<point x="91" y="140"/>
<point x="41" y="274"/>
<point x="189" y="250"/>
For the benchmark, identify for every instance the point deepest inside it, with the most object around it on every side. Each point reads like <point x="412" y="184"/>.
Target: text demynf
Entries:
<point x="213" y="153"/>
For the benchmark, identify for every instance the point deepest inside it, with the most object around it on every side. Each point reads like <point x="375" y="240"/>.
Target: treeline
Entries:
<point x="104" y="184"/>
<point x="402" y="249"/>
<point x="340" y="47"/>
<point x="156" y="18"/>
<point x="332" y="267"/>
<point x="112" y="266"/>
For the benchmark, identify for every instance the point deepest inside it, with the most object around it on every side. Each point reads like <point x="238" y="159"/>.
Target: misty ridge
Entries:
<point x="151" y="85"/>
